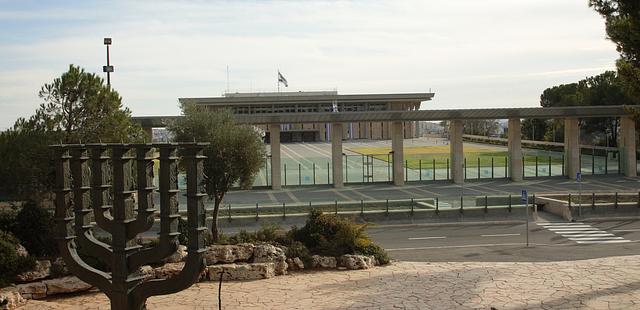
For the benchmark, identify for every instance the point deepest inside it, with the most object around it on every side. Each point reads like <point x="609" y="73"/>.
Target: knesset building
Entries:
<point x="272" y="103"/>
<point x="335" y="124"/>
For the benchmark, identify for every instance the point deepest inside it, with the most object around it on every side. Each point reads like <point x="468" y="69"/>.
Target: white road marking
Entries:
<point x="583" y="233"/>
<point x="426" y="238"/>
<point x="500" y="235"/>
<point x="626" y="230"/>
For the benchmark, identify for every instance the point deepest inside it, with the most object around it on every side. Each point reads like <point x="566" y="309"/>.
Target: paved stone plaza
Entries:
<point x="604" y="283"/>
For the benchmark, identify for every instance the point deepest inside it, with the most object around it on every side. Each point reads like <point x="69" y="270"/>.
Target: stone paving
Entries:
<point x="604" y="283"/>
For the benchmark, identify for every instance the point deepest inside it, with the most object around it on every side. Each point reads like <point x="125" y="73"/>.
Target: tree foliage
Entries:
<point x="603" y="89"/>
<point x="622" y="21"/>
<point x="481" y="127"/>
<point x="77" y="107"/>
<point x="234" y="156"/>
<point x="81" y="108"/>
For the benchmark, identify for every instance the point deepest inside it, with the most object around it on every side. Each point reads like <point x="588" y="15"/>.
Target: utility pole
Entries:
<point x="108" y="68"/>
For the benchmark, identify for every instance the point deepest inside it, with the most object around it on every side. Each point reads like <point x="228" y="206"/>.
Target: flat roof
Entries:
<point x="421" y="115"/>
<point x="305" y="98"/>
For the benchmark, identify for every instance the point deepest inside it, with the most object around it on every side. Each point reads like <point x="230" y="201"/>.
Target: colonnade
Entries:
<point x="627" y="145"/>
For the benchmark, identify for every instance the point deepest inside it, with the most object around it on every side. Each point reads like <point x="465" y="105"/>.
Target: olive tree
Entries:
<point x="234" y="155"/>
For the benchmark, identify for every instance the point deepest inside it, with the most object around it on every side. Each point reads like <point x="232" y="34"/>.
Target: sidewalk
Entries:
<point x="605" y="283"/>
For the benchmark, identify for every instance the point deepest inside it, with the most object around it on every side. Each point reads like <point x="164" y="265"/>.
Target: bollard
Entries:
<point x="420" y="169"/>
<point x="412" y="206"/>
<point x="461" y="204"/>
<point x="434" y="169"/>
<point x="486" y="204"/>
<point x="314" y="173"/>
<point x="447" y="168"/>
<point x="285" y="174"/>
<point x="257" y="212"/>
<point x="437" y="208"/>
<point x="361" y="207"/>
<point x="616" y="201"/>
<point x="406" y="170"/>
<point x="328" y="174"/>
<point x="536" y="166"/>
<point x="284" y="211"/>
<point x="492" y="175"/>
<point x="478" y="168"/>
<point x="549" y="165"/>
<point x="593" y="200"/>
<point x="336" y="205"/>
<point x="387" y="207"/>
<point x="299" y="174"/>
<point x="509" y="203"/>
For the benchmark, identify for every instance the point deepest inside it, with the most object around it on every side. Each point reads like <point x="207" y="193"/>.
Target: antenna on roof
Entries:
<point x="227" y="78"/>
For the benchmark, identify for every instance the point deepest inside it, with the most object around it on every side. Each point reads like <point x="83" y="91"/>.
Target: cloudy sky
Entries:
<point x="490" y="53"/>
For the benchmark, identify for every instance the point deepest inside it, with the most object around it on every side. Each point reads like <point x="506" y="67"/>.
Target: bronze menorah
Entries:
<point x="97" y="182"/>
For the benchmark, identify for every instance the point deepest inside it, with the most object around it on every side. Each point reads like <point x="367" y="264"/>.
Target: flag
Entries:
<point x="282" y="80"/>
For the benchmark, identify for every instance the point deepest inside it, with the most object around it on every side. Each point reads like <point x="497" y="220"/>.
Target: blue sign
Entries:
<point x="578" y="176"/>
<point x="523" y="196"/>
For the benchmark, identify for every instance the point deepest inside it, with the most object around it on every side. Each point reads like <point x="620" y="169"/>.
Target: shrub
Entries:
<point x="183" y="238"/>
<point x="270" y="233"/>
<point x="373" y="249"/>
<point x="297" y="249"/>
<point x="34" y="228"/>
<point x="330" y="235"/>
<point x="8" y="218"/>
<point x="11" y="263"/>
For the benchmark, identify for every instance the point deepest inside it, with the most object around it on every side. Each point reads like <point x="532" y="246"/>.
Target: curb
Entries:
<point x="510" y="222"/>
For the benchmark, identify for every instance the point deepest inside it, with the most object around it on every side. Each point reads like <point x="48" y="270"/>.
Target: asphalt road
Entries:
<point x="556" y="241"/>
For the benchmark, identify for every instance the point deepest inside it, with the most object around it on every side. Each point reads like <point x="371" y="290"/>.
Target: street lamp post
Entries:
<point x="108" y="68"/>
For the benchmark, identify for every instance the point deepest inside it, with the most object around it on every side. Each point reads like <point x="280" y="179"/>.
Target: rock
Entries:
<point x="21" y="251"/>
<point x="353" y="262"/>
<point x="171" y="270"/>
<point x="295" y="263"/>
<point x="267" y="253"/>
<point x="229" y="253"/>
<point x="178" y="256"/>
<point x="318" y="261"/>
<point x="68" y="284"/>
<point x="10" y="298"/>
<point x="35" y="290"/>
<point x="253" y="271"/>
<point x="147" y="272"/>
<point x="168" y="270"/>
<point x="41" y="270"/>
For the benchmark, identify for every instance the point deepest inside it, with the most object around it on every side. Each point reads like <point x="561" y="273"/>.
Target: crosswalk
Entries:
<point x="582" y="233"/>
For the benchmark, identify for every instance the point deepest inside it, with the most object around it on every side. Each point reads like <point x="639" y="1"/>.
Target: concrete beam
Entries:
<point x="274" y="138"/>
<point x="571" y="147"/>
<point x="515" y="149"/>
<point x="456" y="128"/>
<point x="627" y="145"/>
<point x="336" y="154"/>
<point x="397" y="141"/>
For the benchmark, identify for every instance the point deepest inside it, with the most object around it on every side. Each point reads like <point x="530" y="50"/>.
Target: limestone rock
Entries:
<point x="318" y="261"/>
<point x="267" y="253"/>
<point x="295" y="263"/>
<point x="353" y="262"/>
<point x="69" y="284"/>
<point x="228" y="253"/>
<point x="34" y="290"/>
<point x="10" y="298"/>
<point x="147" y="272"/>
<point x="41" y="270"/>
<point x="21" y="251"/>
<point x="168" y="270"/>
<point x="178" y="256"/>
<point x="245" y="271"/>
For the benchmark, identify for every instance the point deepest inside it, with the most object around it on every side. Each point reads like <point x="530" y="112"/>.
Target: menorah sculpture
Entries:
<point x="96" y="182"/>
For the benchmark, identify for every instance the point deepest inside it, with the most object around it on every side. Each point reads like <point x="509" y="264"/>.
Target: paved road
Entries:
<point x="304" y="194"/>
<point x="556" y="241"/>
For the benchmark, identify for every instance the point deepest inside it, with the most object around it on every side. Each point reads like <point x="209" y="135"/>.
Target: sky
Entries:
<point x="471" y="54"/>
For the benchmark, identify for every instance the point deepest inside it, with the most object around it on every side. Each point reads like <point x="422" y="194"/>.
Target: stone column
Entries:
<point x="627" y="145"/>
<point x="515" y="149"/>
<point x="274" y="138"/>
<point x="397" y="136"/>
<point x="456" y="128"/>
<point x="571" y="147"/>
<point x="336" y="154"/>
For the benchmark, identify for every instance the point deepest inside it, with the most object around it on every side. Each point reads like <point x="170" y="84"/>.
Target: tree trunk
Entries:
<point x="215" y="236"/>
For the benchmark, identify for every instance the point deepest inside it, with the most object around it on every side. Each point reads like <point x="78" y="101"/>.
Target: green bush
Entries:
<point x="183" y="238"/>
<point x="270" y="233"/>
<point x="11" y="263"/>
<point x="34" y="228"/>
<point x="373" y="249"/>
<point x="8" y="218"/>
<point x="297" y="249"/>
<point x="330" y="235"/>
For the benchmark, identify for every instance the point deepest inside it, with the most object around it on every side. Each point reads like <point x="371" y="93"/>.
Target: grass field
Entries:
<point x="428" y="156"/>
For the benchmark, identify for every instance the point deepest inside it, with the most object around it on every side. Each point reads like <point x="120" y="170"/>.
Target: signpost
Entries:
<point x="579" y="179"/>
<point x="525" y="199"/>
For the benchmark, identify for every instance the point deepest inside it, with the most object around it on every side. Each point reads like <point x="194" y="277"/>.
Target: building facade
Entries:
<point x="321" y="102"/>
